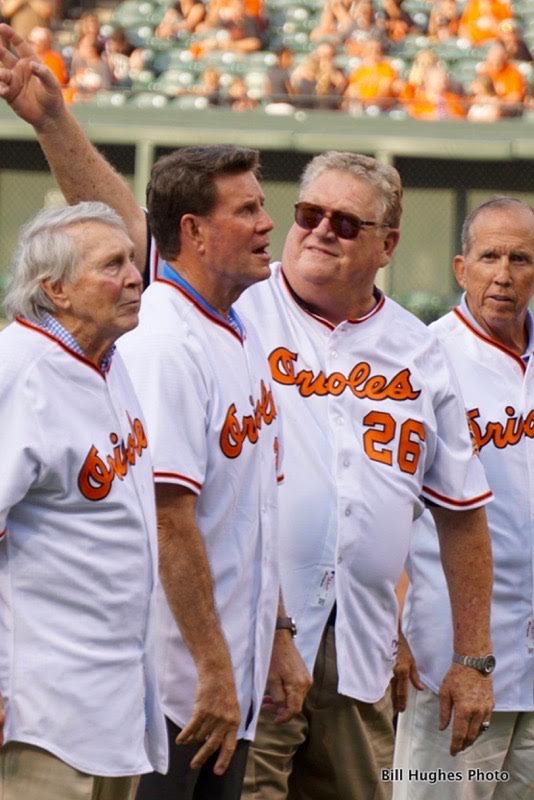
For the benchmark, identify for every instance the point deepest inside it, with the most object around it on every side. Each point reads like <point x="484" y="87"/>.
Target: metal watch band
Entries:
<point x="484" y="664"/>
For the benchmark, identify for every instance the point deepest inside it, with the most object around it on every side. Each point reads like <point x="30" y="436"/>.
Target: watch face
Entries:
<point x="489" y="664"/>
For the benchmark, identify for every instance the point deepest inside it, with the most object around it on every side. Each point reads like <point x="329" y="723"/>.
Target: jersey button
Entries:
<point x="348" y="511"/>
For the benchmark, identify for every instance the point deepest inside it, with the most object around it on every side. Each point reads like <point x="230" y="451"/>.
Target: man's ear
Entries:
<point x="55" y="291"/>
<point x="191" y="230"/>
<point x="458" y="266"/>
<point x="391" y="240"/>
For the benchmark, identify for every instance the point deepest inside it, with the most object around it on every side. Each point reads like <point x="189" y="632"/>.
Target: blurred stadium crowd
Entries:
<point x="423" y="59"/>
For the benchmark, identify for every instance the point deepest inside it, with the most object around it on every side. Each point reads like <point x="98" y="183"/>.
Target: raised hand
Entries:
<point x="26" y="84"/>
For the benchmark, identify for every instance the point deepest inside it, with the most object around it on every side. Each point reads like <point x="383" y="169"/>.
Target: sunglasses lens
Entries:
<point x="308" y="217"/>
<point x="344" y="225"/>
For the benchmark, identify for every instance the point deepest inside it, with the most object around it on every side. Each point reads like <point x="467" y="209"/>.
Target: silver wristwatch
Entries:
<point x="484" y="664"/>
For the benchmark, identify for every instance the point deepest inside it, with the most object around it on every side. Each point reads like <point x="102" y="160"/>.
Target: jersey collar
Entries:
<point x="169" y="274"/>
<point x="377" y="294"/>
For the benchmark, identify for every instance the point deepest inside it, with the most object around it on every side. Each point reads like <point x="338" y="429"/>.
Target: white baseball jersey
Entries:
<point x="498" y="390"/>
<point x="207" y="396"/>
<point x="372" y="423"/>
<point x="78" y="560"/>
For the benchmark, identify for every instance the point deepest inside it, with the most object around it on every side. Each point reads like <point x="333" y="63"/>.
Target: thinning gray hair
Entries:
<point x="45" y="250"/>
<point x="499" y="201"/>
<point x="382" y="177"/>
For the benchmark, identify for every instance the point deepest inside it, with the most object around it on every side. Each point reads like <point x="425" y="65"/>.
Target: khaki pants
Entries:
<point x="334" y="750"/>
<point x="30" y="773"/>
<point x="498" y="766"/>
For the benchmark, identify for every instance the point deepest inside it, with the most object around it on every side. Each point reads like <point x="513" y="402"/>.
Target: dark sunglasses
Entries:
<point x="346" y="226"/>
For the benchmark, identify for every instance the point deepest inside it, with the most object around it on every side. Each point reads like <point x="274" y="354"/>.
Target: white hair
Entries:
<point x="382" y="177"/>
<point x="45" y="250"/>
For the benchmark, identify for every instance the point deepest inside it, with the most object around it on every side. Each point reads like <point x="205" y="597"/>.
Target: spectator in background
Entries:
<point x="444" y="20"/>
<point x="209" y="87"/>
<point x="304" y="82"/>
<point x="220" y="12"/>
<point x="337" y="20"/>
<point x="515" y="46"/>
<point x="239" y="98"/>
<point x="330" y="82"/>
<point x="25" y="15"/>
<point x="365" y="28"/>
<point x="183" y="17"/>
<point x="436" y="100"/>
<point x="484" y="105"/>
<point x="89" y="71"/>
<point x="374" y="82"/>
<point x="41" y="39"/>
<point x="481" y="19"/>
<point x="279" y="88"/>
<point x="240" y="32"/>
<point x="89" y="25"/>
<point x="117" y="52"/>
<point x="424" y="60"/>
<point x="509" y="83"/>
<point x="395" y="22"/>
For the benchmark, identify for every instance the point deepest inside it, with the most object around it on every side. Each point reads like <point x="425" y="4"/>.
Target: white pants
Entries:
<point x="499" y="765"/>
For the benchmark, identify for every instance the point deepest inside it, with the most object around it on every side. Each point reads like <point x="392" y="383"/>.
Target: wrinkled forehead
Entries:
<point x="503" y="230"/>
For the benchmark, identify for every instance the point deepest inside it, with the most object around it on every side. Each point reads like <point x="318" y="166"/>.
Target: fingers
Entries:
<point x="226" y="752"/>
<point x="445" y="709"/>
<point x="46" y="76"/>
<point x="220" y="738"/>
<point x="7" y="58"/>
<point x="16" y="42"/>
<point x="399" y="693"/>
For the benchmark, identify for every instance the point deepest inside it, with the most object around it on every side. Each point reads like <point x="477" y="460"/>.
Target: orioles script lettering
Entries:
<point x="499" y="434"/>
<point x="236" y="431"/>
<point x="359" y="381"/>
<point x="98" y="473"/>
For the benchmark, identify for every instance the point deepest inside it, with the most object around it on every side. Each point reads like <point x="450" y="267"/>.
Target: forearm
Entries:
<point x="186" y="578"/>
<point x="83" y="173"/>
<point x="467" y="562"/>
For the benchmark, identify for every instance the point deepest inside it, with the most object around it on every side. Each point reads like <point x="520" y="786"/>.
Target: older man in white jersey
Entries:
<point x="374" y="424"/>
<point x="78" y="551"/>
<point x="490" y="340"/>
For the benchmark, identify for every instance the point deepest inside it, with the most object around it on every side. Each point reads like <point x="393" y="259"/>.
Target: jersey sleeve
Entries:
<point x="21" y="466"/>
<point x="173" y="395"/>
<point x="455" y="478"/>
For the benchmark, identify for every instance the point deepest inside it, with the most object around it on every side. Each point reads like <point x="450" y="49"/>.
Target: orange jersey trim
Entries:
<point x="489" y="340"/>
<point x="280" y="478"/>
<point x="324" y="321"/>
<point x="202" y="310"/>
<point x="27" y="324"/>
<point x="3" y="533"/>
<point x="176" y="476"/>
<point x="458" y="503"/>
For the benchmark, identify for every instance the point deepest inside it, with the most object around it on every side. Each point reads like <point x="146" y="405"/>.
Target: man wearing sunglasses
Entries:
<point x="374" y="430"/>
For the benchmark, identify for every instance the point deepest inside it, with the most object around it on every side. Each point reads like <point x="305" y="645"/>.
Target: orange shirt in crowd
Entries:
<point x="54" y="61"/>
<point x="481" y="19"/>
<point x="508" y="82"/>
<point x="372" y="82"/>
<point x="448" y="106"/>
